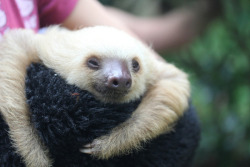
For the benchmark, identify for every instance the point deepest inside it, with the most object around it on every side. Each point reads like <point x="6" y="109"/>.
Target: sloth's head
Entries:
<point x="104" y="61"/>
<point x="113" y="79"/>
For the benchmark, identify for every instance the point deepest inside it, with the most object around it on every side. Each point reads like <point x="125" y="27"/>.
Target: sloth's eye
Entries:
<point x="135" y="65"/>
<point x="93" y="63"/>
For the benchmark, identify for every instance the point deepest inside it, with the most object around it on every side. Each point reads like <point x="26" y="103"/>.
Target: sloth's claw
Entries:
<point x="89" y="145"/>
<point x="90" y="148"/>
<point x="86" y="150"/>
<point x="99" y="148"/>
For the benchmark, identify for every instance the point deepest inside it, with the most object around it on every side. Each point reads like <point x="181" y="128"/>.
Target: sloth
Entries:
<point x="112" y="65"/>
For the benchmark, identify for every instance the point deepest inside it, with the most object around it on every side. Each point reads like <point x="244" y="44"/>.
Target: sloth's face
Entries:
<point x="104" y="61"/>
<point x="113" y="79"/>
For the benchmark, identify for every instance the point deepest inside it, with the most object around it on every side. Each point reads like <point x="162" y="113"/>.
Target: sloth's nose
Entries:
<point x="122" y="82"/>
<point x="118" y="77"/>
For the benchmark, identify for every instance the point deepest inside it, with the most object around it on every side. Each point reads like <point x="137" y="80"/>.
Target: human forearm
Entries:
<point x="174" y="29"/>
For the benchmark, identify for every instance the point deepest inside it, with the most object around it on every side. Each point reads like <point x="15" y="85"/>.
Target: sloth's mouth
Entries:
<point x="110" y="94"/>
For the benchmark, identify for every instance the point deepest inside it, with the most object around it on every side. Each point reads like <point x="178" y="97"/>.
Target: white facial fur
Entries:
<point x="70" y="52"/>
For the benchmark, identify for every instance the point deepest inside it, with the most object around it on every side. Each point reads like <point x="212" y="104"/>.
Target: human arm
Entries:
<point x="171" y="30"/>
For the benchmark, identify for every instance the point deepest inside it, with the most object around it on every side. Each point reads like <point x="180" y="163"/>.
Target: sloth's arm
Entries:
<point x="164" y="102"/>
<point x="16" y="53"/>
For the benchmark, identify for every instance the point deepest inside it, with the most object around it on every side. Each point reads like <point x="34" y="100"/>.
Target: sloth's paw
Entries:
<point x="90" y="148"/>
<point x="100" y="148"/>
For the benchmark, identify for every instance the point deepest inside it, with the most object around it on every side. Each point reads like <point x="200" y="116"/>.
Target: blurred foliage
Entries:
<point x="219" y="66"/>
<point x="218" y="63"/>
<point x="221" y="94"/>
